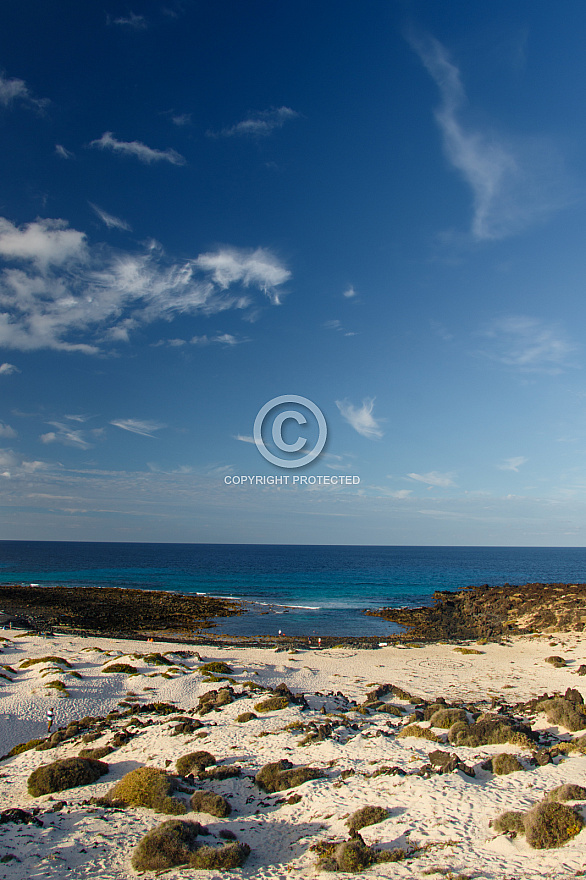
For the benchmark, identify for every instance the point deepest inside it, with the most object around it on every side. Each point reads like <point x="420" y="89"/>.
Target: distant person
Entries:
<point x="50" y="719"/>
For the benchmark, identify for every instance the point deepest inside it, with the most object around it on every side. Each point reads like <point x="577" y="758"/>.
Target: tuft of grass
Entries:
<point x="246" y="716"/>
<point x="467" y="651"/>
<point x="169" y="844"/>
<point x="281" y="775"/>
<point x="147" y="787"/>
<point x="64" y="774"/>
<point x="209" y="802"/>
<point x="32" y="662"/>
<point x="445" y="718"/>
<point x="216" y="667"/>
<point x="505" y="763"/>
<point x="510" y="821"/>
<point x="57" y="686"/>
<point x="569" y="791"/>
<point x="124" y="668"/>
<point x="365" y="816"/>
<point x="421" y="732"/>
<point x="550" y="824"/>
<point x="559" y="710"/>
<point x="193" y="762"/>
<point x="272" y="704"/>
<point x="24" y="747"/>
<point x="221" y="858"/>
<point x="487" y="731"/>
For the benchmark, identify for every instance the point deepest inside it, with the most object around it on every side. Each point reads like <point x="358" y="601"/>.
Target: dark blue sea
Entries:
<point x="301" y="590"/>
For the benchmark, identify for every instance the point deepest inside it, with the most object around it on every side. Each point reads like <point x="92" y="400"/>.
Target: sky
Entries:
<point x="207" y="205"/>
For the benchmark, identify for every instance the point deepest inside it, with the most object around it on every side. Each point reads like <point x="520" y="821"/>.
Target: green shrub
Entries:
<point x="366" y="816"/>
<point x="97" y="753"/>
<point x="31" y="662"/>
<point x="447" y="717"/>
<point x="64" y="774"/>
<point x="216" y="667"/>
<point x="156" y="659"/>
<point x="281" y="775"/>
<point x="221" y="858"/>
<point x="272" y="704"/>
<point x="504" y="763"/>
<point x="169" y="844"/>
<point x="487" y="731"/>
<point x="24" y="747"/>
<point x="246" y="716"/>
<point x="550" y="824"/>
<point x="561" y="711"/>
<point x="509" y="821"/>
<point x="353" y="856"/>
<point x="209" y="802"/>
<point x="147" y="787"/>
<point x="58" y="686"/>
<point x="220" y="772"/>
<point x="124" y="668"/>
<point x="569" y="791"/>
<point x="421" y="732"/>
<point x="194" y="762"/>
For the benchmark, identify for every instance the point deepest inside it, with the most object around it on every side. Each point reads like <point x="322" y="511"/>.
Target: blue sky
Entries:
<point x="379" y="207"/>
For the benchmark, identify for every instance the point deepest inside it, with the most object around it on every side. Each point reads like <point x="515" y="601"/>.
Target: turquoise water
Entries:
<point x="319" y="589"/>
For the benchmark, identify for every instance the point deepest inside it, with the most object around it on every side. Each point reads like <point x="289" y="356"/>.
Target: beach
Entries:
<point x="336" y="710"/>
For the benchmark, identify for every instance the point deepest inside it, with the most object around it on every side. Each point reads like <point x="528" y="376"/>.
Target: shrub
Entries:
<point x="366" y="816"/>
<point x="567" y="792"/>
<point x="156" y="659"/>
<point x="209" y="802"/>
<point x="558" y="662"/>
<point x="63" y="774"/>
<point x="447" y="717"/>
<point x="220" y="772"/>
<point x="194" y="762"/>
<point x="421" y="732"/>
<point x="31" y="662"/>
<point x="280" y="775"/>
<point x="170" y="844"/>
<point x="353" y="855"/>
<point x="550" y="824"/>
<point x="124" y="668"/>
<point x="147" y="787"/>
<point x="468" y="651"/>
<point x="509" y="821"/>
<point x="57" y="686"/>
<point x="216" y="667"/>
<point x="226" y="857"/>
<point x="246" y="716"/>
<point x="505" y="763"/>
<point x="561" y="711"/>
<point x="272" y="704"/>
<point x="487" y="731"/>
<point x="24" y="747"/>
<point x="96" y="754"/>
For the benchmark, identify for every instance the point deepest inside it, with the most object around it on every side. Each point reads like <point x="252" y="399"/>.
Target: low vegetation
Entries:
<point x="281" y="775"/>
<point x="61" y="661"/>
<point x="368" y="815"/>
<point x="124" y="668"/>
<point x="421" y="732"/>
<point x="64" y="774"/>
<point x="193" y="762"/>
<point x="272" y="704"/>
<point x="147" y="787"/>
<point x="209" y="802"/>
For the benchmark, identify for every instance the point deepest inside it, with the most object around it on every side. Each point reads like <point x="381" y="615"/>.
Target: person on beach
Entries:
<point x="50" y="717"/>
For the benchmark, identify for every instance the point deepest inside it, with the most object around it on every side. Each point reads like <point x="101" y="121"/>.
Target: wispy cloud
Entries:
<point x="16" y="91"/>
<point x="349" y="293"/>
<point x="8" y="369"/>
<point x="55" y="286"/>
<point x="514" y="181"/>
<point x="261" y="124"/>
<point x="110" y="220"/>
<point x="181" y="119"/>
<point x="140" y="151"/>
<point x="529" y="345"/>
<point x="218" y="339"/>
<point x="513" y="464"/>
<point x="67" y="436"/>
<point x="434" y="478"/>
<point x="136" y="22"/>
<point x="336" y="324"/>
<point x="63" y="153"/>
<point x="13" y="465"/>
<point x="361" y="417"/>
<point x="7" y="432"/>
<point x="138" y="426"/>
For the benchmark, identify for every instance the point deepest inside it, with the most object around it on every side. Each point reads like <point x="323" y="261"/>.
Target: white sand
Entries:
<point x="449" y="813"/>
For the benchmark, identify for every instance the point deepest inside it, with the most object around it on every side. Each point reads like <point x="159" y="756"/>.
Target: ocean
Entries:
<point x="300" y="590"/>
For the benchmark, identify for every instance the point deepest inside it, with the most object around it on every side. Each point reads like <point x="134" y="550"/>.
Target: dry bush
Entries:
<point x="421" y="732"/>
<point x="169" y="844"/>
<point x="447" y="717"/>
<point x="61" y="661"/>
<point x="209" y="802"/>
<point x="221" y="858"/>
<point x="23" y="747"/>
<point x="147" y="787"/>
<point x="97" y="753"/>
<point x="487" y="731"/>
<point x="272" y="704"/>
<point x="193" y="762"/>
<point x="468" y="651"/>
<point x="509" y="821"/>
<point x="367" y="815"/>
<point x="220" y="772"/>
<point x="155" y="659"/>
<point x="124" y="668"/>
<point x="550" y="824"/>
<point x="216" y="667"/>
<point x="505" y="763"/>
<point x="559" y="710"/>
<point x="246" y="716"/>
<point x="556" y="661"/>
<point x="569" y="791"/>
<point x="280" y="775"/>
<point x="63" y="774"/>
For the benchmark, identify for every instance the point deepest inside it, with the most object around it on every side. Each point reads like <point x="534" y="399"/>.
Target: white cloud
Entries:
<point x="136" y="22"/>
<point x="181" y="119"/>
<point x="63" y="153"/>
<point x="145" y="154"/>
<point x="12" y="90"/>
<point x="110" y="220"/>
<point x="514" y="182"/>
<point x="349" y="293"/>
<point x="361" y="418"/>
<point x="259" y="124"/>
<point x="67" y="436"/>
<point x="6" y="431"/>
<point x="8" y="369"/>
<point x="13" y="465"/>
<point x="138" y="426"/>
<point x="529" y="345"/>
<point x="513" y="464"/>
<point x="220" y="338"/>
<point x="245" y="438"/>
<point x="434" y="478"/>
<point x="54" y="287"/>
